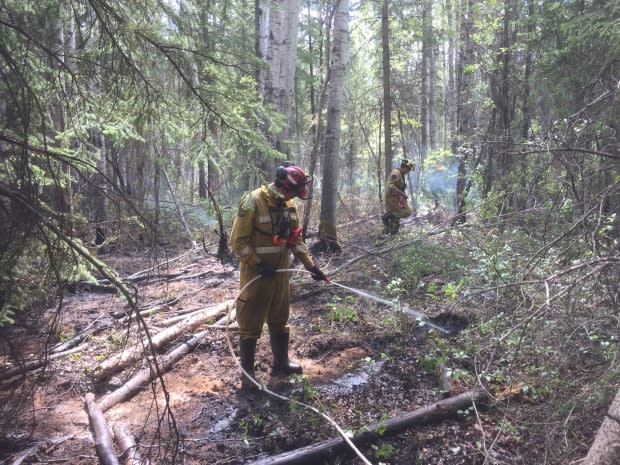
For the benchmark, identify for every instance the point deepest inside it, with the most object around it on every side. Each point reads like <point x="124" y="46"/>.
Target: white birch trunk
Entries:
<point x="261" y="21"/>
<point x="281" y="57"/>
<point x="331" y="165"/>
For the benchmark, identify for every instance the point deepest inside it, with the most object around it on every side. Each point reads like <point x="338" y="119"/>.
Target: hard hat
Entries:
<point x="292" y="178"/>
<point x="408" y="163"/>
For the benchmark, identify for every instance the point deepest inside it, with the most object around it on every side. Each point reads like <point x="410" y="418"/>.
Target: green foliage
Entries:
<point x="394" y="289"/>
<point x="28" y="272"/>
<point x="384" y="450"/>
<point x="428" y="257"/>
<point x="342" y="309"/>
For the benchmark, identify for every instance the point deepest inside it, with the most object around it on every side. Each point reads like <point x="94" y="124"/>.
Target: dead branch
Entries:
<point x="90" y="330"/>
<point x="35" y="364"/>
<point x="103" y="438"/>
<point x="134" y="385"/>
<point x="162" y="265"/>
<point x="187" y="325"/>
<point x="319" y="452"/>
<point x="127" y="445"/>
<point x="23" y="455"/>
<point x="48" y="445"/>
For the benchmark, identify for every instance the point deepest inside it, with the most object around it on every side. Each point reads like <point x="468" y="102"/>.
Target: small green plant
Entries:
<point x="381" y="424"/>
<point x="451" y="291"/>
<point x="342" y="309"/>
<point x="384" y="451"/>
<point x="307" y="392"/>
<point x="243" y="424"/>
<point x="395" y="289"/>
<point x="466" y="412"/>
<point x="457" y="374"/>
<point x="253" y="424"/>
<point x="432" y="290"/>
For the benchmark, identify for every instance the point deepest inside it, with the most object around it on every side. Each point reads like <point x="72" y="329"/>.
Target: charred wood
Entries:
<point x="319" y="452"/>
<point x="103" y="438"/>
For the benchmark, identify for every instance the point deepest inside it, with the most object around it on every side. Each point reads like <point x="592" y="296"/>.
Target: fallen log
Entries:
<point x="187" y="325"/>
<point x="89" y="331"/>
<point x="103" y="438"/>
<point x="175" y="319"/>
<point x="35" y="364"/>
<point x="145" y="376"/>
<point x="127" y="446"/>
<point x="326" y="450"/>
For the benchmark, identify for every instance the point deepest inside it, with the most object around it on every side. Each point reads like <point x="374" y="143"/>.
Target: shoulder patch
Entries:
<point x="246" y="205"/>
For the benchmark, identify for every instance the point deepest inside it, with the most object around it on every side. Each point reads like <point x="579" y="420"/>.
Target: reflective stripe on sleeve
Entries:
<point x="264" y="219"/>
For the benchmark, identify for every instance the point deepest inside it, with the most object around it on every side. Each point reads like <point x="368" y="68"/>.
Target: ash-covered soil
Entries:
<point x="363" y="364"/>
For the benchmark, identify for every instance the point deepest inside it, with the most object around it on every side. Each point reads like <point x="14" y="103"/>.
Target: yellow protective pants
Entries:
<point x="266" y="300"/>
<point x="398" y="207"/>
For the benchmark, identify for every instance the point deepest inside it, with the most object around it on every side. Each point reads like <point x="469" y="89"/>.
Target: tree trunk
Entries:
<point x="605" y="449"/>
<point x="465" y="112"/>
<point x="202" y="180"/>
<point x="387" y="89"/>
<point x="280" y="78"/>
<point x="178" y="207"/>
<point x="262" y="13"/>
<point x="331" y="167"/>
<point x="62" y="195"/>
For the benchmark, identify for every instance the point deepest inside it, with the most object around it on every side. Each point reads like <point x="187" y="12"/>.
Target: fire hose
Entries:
<point x="418" y="315"/>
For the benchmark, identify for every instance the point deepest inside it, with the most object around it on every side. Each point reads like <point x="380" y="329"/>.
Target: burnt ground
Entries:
<point x="363" y="364"/>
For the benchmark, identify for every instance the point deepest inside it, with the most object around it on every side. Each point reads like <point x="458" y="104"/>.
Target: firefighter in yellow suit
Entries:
<point x="264" y="234"/>
<point x="396" y="198"/>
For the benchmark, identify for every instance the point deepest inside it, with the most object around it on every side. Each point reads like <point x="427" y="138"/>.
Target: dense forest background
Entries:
<point x="143" y="122"/>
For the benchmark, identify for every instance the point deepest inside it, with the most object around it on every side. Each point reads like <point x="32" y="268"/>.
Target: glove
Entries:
<point x="317" y="274"/>
<point x="266" y="269"/>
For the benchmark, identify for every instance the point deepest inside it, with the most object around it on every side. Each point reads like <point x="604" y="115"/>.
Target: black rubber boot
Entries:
<point x="281" y="364"/>
<point x="393" y="225"/>
<point x="385" y="219"/>
<point x="247" y="351"/>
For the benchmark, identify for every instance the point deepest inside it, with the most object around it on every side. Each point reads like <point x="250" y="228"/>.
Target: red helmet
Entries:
<point x="292" y="178"/>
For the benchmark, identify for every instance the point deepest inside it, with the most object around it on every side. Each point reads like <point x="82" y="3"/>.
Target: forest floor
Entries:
<point x="362" y="365"/>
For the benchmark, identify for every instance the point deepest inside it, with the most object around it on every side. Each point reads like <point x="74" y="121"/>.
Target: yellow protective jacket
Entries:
<point x="259" y="217"/>
<point x="395" y="197"/>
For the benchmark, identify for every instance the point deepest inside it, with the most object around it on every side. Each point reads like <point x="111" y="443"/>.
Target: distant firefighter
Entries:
<point x="396" y="198"/>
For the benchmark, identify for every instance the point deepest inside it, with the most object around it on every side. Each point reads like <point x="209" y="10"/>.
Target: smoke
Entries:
<point x="438" y="184"/>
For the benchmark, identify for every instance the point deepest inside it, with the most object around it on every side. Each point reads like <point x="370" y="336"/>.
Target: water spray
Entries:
<point x="399" y="307"/>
